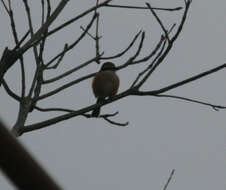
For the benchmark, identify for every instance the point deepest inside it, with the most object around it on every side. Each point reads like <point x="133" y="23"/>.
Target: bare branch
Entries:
<point x="10" y="92"/>
<point x="81" y="111"/>
<point x="132" y="91"/>
<point x="74" y="43"/>
<point x="38" y="85"/>
<point x="78" y="17"/>
<point x="90" y="35"/>
<point x="130" y="61"/>
<point x="70" y="71"/>
<point x="48" y="9"/>
<point x="60" y="58"/>
<point x="124" y="51"/>
<point x="23" y="82"/>
<point x="43" y="12"/>
<point x="106" y="118"/>
<point x="146" y="58"/>
<point x="97" y="39"/>
<point x="138" y="50"/>
<point x="158" y="54"/>
<point x="181" y="83"/>
<point x="169" y="179"/>
<point x="38" y="35"/>
<point x="43" y="42"/>
<point x="22" y="40"/>
<point x="4" y="5"/>
<point x="215" y="107"/>
<point x="17" y="42"/>
<point x="13" y="26"/>
<point x="11" y="56"/>
<point x="109" y="115"/>
<point x="114" y="122"/>
<point x="187" y="5"/>
<point x="150" y="66"/>
<point x="170" y="45"/>
<point x="35" y="50"/>
<point x="159" y="21"/>
<point x="136" y="7"/>
<point x="51" y="93"/>
<point x="126" y="64"/>
<point x="53" y="109"/>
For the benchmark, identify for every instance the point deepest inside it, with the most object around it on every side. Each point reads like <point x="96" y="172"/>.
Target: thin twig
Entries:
<point x="78" y="17"/>
<point x="106" y="118"/>
<point x="139" y="48"/>
<point x="169" y="179"/>
<point x="159" y="21"/>
<point x="64" y="87"/>
<point x="6" y="8"/>
<point x="124" y="51"/>
<point x="150" y="66"/>
<point x="90" y="35"/>
<point x="215" y="107"/>
<point x="43" y="42"/>
<point x="43" y="12"/>
<point x="67" y="73"/>
<point x="59" y="59"/>
<point x="53" y="109"/>
<point x="35" y="51"/>
<point x="136" y="7"/>
<point x="27" y="8"/>
<point x="187" y="5"/>
<point x="116" y="123"/>
<point x="146" y="58"/>
<point x="102" y="115"/>
<point x="97" y="39"/>
<point x="13" y="25"/>
<point x="71" y="46"/>
<point x="131" y="59"/>
<point x="17" y="42"/>
<point x="153" y="52"/>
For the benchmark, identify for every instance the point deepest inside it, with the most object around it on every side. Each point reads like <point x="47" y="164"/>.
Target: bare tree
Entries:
<point x="29" y="98"/>
<point x="36" y="41"/>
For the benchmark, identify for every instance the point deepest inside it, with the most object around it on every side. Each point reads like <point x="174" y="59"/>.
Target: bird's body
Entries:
<point x="105" y="84"/>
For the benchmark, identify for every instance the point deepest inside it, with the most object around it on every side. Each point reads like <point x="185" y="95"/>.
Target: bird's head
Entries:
<point x="108" y="66"/>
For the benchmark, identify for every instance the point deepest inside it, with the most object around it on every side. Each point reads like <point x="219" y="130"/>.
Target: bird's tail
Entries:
<point x="96" y="111"/>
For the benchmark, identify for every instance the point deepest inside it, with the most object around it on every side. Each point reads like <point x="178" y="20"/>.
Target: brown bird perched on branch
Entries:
<point x="105" y="84"/>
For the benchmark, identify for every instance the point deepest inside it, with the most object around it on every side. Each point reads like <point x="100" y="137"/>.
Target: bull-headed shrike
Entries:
<point x="105" y="84"/>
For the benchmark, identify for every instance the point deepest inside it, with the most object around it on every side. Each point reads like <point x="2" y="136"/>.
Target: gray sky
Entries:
<point x="163" y="134"/>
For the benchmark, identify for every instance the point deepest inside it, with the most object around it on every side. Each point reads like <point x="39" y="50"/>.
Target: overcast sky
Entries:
<point x="163" y="134"/>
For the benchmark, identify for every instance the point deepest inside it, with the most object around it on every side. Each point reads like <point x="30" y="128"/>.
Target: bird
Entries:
<point x="105" y="84"/>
